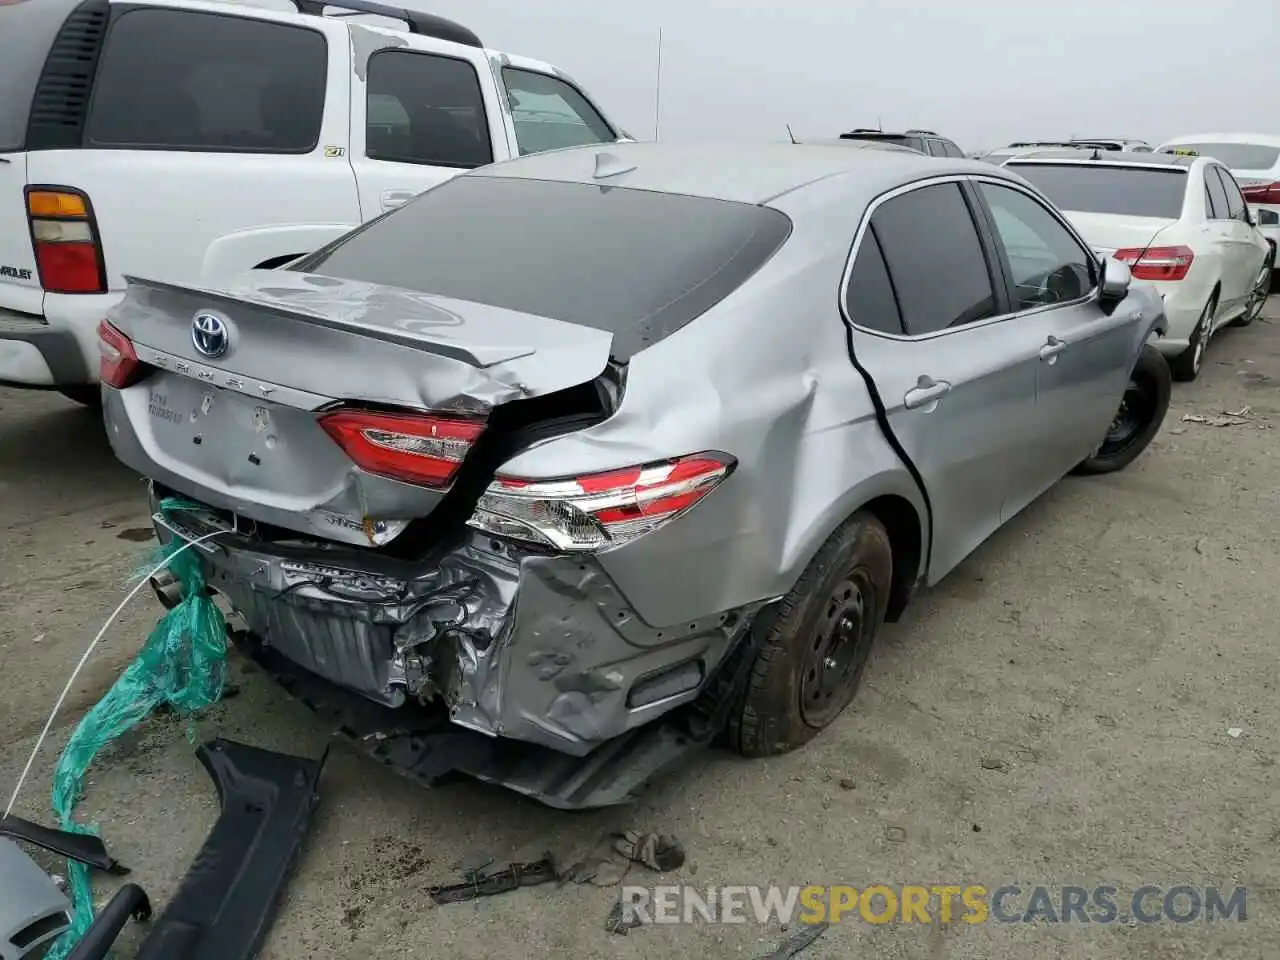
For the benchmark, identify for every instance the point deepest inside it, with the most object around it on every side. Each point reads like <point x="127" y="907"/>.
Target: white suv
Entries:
<point x="184" y="140"/>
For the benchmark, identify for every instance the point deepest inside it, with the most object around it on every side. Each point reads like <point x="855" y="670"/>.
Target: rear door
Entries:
<point x="1085" y="354"/>
<point x="420" y="114"/>
<point x="957" y="384"/>
<point x="1244" y="256"/>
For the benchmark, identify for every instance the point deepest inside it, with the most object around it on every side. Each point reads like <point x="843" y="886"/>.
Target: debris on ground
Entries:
<point x="1235" y="733"/>
<point x="621" y="922"/>
<point x="658" y="852"/>
<point x="602" y="872"/>
<point x="802" y="939"/>
<point x="994" y="763"/>
<point x="1228" y="418"/>
<point x="512" y="877"/>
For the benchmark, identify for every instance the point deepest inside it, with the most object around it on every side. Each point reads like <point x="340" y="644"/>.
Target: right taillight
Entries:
<point x="1157" y="263"/>
<point x="598" y="510"/>
<point x="119" y="365"/>
<point x="1262" y="193"/>
<point x="64" y="238"/>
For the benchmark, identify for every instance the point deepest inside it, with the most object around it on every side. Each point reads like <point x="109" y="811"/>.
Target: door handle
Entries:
<point x="394" y="198"/>
<point x="1052" y="347"/>
<point x="926" y="391"/>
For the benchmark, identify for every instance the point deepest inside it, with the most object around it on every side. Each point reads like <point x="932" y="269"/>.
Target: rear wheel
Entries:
<point x="1186" y="365"/>
<point x="817" y="640"/>
<point x="1142" y="411"/>
<point x="89" y="395"/>
<point x="1258" y="296"/>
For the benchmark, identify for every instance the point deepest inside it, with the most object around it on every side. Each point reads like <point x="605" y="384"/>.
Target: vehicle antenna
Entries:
<point x="790" y="134"/>
<point x="657" y="93"/>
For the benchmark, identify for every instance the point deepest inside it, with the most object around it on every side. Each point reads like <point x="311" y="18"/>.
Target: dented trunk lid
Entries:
<point x="239" y="430"/>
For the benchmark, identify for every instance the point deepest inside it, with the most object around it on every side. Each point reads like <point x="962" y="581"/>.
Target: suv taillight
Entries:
<point x="1262" y="193"/>
<point x="1157" y="263"/>
<point x="119" y="365"/>
<point x="598" y="510"/>
<point x="64" y="237"/>
<point x="425" y="449"/>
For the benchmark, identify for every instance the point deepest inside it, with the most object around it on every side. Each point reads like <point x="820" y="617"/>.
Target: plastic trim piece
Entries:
<point x="82" y="847"/>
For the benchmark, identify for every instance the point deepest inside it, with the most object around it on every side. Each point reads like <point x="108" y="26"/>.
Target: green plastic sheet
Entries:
<point x="182" y="664"/>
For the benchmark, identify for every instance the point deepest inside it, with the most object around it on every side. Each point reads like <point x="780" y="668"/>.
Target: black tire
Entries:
<point x="1186" y="366"/>
<point x="88" y="394"/>
<point x="828" y="621"/>
<point x="1142" y="411"/>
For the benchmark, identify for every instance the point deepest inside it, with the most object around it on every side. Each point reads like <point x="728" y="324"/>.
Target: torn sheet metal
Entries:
<point x="491" y="883"/>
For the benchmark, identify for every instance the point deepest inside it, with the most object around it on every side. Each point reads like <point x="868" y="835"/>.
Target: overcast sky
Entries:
<point x="983" y="72"/>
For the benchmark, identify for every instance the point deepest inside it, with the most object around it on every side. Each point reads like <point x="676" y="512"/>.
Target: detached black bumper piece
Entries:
<point x="229" y="897"/>
<point x="82" y="847"/>
<point x="431" y="752"/>
<point x="129" y="901"/>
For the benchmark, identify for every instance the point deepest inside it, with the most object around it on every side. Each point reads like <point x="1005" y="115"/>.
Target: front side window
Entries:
<point x="935" y="259"/>
<point x="550" y="114"/>
<point x="1047" y="263"/>
<point x="425" y="109"/>
<point x="199" y="81"/>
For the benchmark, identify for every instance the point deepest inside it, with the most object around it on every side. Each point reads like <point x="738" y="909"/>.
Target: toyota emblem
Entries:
<point x="210" y="335"/>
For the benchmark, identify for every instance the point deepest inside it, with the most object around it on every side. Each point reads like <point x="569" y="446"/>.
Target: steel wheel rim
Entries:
<point x="1203" y="333"/>
<point x="1136" y="408"/>
<point x="837" y="649"/>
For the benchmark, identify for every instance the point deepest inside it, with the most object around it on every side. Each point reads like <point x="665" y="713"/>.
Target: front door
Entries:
<point x="1085" y="355"/>
<point x="419" y="117"/>
<point x="956" y="383"/>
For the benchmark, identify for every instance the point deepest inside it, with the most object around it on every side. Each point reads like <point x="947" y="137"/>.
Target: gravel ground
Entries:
<point x="1056" y="712"/>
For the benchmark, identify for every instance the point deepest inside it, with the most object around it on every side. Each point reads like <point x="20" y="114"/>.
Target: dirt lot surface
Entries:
<point x="1056" y="712"/>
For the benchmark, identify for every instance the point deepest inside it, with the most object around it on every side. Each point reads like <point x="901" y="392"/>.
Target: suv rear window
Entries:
<point x="199" y="81"/>
<point x="1098" y="188"/>
<point x="636" y="263"/>
<point x="1235" y="156"/>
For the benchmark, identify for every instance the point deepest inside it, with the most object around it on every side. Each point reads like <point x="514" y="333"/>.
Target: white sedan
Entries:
<point x="1180" y="222"/>
<point x="1254" y="160"/>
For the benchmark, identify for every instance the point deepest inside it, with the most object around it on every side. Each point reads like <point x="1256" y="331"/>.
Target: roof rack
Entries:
<point x="931" y="133"/>
<point x="424" y="24"/>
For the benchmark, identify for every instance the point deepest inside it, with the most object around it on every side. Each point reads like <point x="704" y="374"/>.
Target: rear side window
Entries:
<point x="935" y="259"/>
<point x="1101" y="188"/>
<point x="636" y="263"/>
<point x="427" y="109"/>
<point x="1217" y="195"/>
<point x="199" y="81"/>
<point x="27" y="31"/>
<point x="550" y="114"/>
<point x="869" y="299"/>
<point x="1236" y="156"/>
<point x="1235" y="199"/>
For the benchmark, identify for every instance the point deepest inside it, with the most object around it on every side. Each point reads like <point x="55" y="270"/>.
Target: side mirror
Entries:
<point x="1115" y="280"/>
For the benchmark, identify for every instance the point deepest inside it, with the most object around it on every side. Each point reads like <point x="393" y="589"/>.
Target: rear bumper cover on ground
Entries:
<point x="533" y="648"/>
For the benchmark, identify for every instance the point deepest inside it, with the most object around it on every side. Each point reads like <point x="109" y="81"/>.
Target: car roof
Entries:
<point x="1259" y="139"/>
<point x="744" y="172"/>
<point x="858" y="144"/>
<point x="1115" y="158"/>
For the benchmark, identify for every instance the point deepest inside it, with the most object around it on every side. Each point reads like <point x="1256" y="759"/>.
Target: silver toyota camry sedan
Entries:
<point x="579" y="462"/>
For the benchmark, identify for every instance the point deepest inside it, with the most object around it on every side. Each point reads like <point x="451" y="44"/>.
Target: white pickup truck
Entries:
<point x="187" y="140"/>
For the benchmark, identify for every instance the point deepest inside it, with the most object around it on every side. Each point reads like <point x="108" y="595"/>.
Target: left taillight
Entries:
<point x="598" y="510"/>
<point x="64" y="237"/>
<point x="425" y="449"/>
<point x="118" y="364"/>
<point x="1157" y="263"/>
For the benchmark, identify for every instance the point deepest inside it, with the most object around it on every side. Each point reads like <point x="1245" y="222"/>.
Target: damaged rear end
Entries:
<point x="339" y="442"/>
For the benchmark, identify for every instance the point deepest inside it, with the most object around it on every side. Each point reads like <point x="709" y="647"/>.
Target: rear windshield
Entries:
<point x="1235" y="156"/>
<point x="637" y="264"/>
<point x="1095" y="188"/>
<point x="27" y="31"/>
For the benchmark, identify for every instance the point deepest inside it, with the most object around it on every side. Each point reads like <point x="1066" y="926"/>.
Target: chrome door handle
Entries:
<point x="925" y="392"/>
<point x="394" y="198"/>
<point x="1053" y="346"/>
